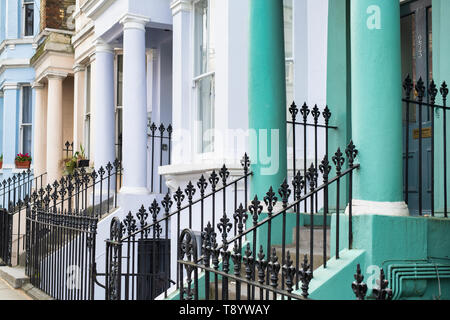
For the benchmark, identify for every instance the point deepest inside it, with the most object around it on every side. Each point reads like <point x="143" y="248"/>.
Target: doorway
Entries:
<point x="417" y="62"/>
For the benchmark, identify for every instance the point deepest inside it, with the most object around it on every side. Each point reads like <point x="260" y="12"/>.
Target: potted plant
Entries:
<point x="82" y="161"/>
<point x="23" y="161"/>
<point x="1" y="161"/>
<point x="70" y="165"/>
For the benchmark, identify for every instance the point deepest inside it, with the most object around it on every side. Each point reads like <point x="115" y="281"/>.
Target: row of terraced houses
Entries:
<point x="225" y="149"/>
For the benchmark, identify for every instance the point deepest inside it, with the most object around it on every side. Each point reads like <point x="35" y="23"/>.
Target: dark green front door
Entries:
<point x="416" y="38"/>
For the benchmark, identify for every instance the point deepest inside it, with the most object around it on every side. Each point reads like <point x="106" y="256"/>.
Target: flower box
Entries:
<point x="23" y="164"/>
<point x="83" y="163"/>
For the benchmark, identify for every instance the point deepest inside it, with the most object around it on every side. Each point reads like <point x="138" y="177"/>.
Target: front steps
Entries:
<point x="304" y="249"/>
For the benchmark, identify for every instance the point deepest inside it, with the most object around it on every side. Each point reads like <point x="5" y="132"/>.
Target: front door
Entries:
<point x="416" y="40"/>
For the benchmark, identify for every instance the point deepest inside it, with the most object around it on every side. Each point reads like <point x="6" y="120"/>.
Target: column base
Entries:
<point x="363" y="207"/>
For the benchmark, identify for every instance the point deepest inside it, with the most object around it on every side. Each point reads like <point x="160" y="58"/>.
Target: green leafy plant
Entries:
<point x="23" y="157"/>
<point x="1" y="158"/>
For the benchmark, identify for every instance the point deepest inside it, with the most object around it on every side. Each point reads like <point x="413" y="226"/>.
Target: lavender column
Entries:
<point x="104" y="118"/>
<point x="134" y="106"/>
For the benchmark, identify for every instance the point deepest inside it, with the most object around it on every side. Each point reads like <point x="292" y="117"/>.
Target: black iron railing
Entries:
<point x="319" y="122"/>
<point x="137" y="254"/>
<point x="5" y="237"/>
<point x="68" y="149"/>
<point x="160" y="146"/>
<point x="381" y="292"/>
<point x="60" y="252"/>
<point x="14" y="191"/>
<point x="268" y="273"/>
<point x="423" y="103"/>
<point x="93" y="192"/>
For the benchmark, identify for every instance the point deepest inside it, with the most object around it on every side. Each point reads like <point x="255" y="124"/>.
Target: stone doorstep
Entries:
<point x="17" y="279"/>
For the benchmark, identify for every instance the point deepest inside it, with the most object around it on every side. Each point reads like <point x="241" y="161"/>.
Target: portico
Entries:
<point x="133" y="58"/>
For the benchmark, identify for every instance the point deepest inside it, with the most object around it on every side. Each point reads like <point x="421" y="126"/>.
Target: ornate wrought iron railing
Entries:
<point x="13" y="191"/>
<point x="138" y="264"/>
<point x="92" y="192"/>
<point x="160" y="146"/>
<point x="266" y="275"/>
<point x="312" y="130"/>
<point x="423" y="109"/>
<point x="60" y="252"/>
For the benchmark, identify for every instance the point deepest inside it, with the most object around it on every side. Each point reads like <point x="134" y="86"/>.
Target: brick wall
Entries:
<point x="55" y="14"/>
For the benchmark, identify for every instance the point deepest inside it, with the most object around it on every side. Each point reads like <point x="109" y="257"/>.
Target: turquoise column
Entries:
<point x="267" y="105"/>
<point x="376" y="100"/>
<point x="441" y="72"/>
<point x="267" y="96"/>
<point x="338" y="86"/>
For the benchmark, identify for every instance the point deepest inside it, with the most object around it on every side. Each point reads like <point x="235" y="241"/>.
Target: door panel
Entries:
<point x="416" y="40"/>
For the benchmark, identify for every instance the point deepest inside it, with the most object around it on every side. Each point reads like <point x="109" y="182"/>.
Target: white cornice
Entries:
<point x="80" y="35"/>
<point x="94" y="8"/>
<point x="14" y="42"/>
<point x="9" y="86"/>
<point x="14" y="63"/>
<point x="180" y="5"/>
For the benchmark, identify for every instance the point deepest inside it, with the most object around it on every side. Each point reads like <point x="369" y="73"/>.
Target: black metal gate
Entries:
<point x="60" y="251"/>
<point x="6" y="223"/>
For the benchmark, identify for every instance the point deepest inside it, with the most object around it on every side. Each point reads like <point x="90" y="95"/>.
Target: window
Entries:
<point x="119" y="104"/>
<point x="204" y="67"/>
<point x="87" y="113"/>
<point x="289" y="49"/>
<point x="26" y="121"/>
<point x="28" y="10"/>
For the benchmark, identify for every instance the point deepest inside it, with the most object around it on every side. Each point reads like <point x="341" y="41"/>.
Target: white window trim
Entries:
<point x="87" y="115"/>
<point x="21" y="124"/>
<point x="24" y="3"/>
<point x="199" y="154"/>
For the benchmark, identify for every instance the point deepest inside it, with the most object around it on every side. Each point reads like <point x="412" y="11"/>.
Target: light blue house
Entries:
<point x="19" y="24"/>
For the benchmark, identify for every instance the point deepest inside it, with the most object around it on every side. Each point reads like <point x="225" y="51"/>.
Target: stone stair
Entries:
<point x="304" y="248"/>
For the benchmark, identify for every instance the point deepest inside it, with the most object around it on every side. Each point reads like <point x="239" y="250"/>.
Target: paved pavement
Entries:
<point x="9" y="293"/>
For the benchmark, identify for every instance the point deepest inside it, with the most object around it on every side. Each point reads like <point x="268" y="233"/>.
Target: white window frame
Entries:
<point x="87" y="114"/>
<point x="24" y="4"/>
<point x="117" y="108"/>
<point x="21" y="123"/>
<point x="196" y="78"/>
<point x="290" y="66"/>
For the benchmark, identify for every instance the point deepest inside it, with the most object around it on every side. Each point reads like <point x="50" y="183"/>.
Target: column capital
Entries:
<point x="180" y="5"/>
<point x="134" y="21"/>
<point x="37" y="85"/>
<point x="10" y="86"/>
<point x="55" y="75"/>
<point x="102" y="46"/>
<point x="78" y="68"/>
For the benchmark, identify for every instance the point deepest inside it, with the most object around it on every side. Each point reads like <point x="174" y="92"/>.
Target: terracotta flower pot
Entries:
<point x="1" y="164"/>
<point x="23" y="164"/>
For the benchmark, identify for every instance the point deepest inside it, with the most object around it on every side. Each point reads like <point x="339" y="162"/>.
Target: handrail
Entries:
<point x="183" y="208"/>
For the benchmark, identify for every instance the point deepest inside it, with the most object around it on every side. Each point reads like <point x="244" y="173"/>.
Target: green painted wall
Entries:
<point x="419" y="245"/>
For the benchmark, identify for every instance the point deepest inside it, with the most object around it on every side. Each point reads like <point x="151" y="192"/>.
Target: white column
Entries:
<point x="104" y="119"/>
<point x="79" y="105"/>
<point x="134" y="106"/>
<point x="39" y="151"/>
<point x="182" y="80"/>
<point x="54" y="127"/>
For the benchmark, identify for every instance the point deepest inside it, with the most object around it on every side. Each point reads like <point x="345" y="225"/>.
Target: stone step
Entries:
<point x="305" y="233"/>
<point x="15" y="277"/>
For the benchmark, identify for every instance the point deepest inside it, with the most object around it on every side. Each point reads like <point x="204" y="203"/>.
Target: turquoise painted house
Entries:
<point x="19" y="24"/>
